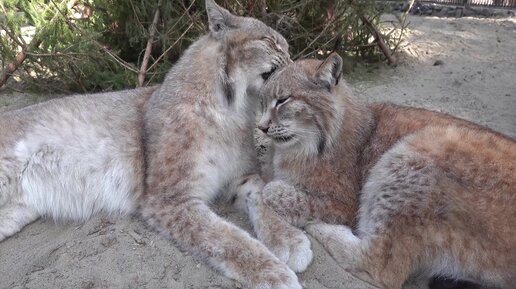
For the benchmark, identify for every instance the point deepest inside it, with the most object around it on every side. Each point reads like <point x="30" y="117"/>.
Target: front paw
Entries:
<point x="292" y="246"/>
<point x="244" y="188"/>
<point x="300" y="253"/>
<point x="280" y="278"/>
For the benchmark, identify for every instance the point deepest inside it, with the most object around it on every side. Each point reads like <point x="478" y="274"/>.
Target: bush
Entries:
<point x="99" y="44"/>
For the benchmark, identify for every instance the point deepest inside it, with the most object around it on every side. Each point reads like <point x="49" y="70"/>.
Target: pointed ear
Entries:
<point x="329" y="72"/>
<point x="219" y="19"/>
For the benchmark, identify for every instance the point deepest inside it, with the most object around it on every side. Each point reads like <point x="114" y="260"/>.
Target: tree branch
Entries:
<point x="18" y="40"/>
<point x="101" y="46"/>
<point x="379" y="39"/>
<point x="22" y="55"/>
<point x="18" y="60"/>
<point x="148" y="49"/>
<point x="170" y="47"/>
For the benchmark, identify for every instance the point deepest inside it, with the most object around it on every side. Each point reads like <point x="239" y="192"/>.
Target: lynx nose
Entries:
<point x="265" y="122"/>
<point x="264" y="128"/>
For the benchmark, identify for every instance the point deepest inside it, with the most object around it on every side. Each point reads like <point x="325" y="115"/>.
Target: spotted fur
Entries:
<point x="198" y="139"/>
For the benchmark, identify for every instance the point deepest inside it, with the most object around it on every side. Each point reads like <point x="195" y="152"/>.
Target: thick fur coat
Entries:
<point x="165" y="152"/>
<point x="425" y="193"/>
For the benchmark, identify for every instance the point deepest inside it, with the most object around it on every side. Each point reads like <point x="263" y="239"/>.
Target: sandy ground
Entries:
<point x="476" y="81"/>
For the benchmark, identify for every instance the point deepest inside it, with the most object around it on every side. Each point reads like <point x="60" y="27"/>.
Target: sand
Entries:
<point x="476" y="81"/>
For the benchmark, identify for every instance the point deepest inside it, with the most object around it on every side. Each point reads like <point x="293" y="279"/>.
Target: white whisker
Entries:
<point x="302" y="130"/>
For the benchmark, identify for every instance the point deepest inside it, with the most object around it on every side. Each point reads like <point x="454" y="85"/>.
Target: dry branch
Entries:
<point x="171" y="46"/>
<point x="148" y="49"/>
<point x="379" y="39"/>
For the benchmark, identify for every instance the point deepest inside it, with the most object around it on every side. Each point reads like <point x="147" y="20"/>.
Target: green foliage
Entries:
<point x="89" y="45"/>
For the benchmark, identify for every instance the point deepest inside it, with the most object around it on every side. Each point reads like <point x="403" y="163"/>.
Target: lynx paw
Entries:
<point x="283" y="278"/>
<point x="248" y="185"/>
<point x="294" y="249"/>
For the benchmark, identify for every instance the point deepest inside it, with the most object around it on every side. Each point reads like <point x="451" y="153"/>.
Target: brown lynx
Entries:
<point x="426" y="193"/>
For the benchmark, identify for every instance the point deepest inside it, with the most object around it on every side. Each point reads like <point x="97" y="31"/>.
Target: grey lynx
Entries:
<point x="426" y="193"/>
<point x="168" y="151"/>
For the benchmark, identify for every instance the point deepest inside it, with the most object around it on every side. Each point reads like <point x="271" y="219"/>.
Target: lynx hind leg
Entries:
<point x="288" y="243"/>
<point x="13" y="217"/>
<point x="391" y="226"/>
<point x="14" y="214"/>
<point x="229" y="249"/>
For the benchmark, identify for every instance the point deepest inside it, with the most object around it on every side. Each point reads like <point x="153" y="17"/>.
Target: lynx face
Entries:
<point x="256" y="51"/>
<point x="253" y="50"/>
<point x="300" y="105"/>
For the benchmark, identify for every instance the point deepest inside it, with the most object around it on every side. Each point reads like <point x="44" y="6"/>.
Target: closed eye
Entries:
<point x="282" y="100"/>
<point x="266" y="75"/>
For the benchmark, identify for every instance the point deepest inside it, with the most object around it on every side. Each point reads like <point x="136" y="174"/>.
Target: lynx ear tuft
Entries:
<point x="219" y="19"/>
<point x="329" y="72"/>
